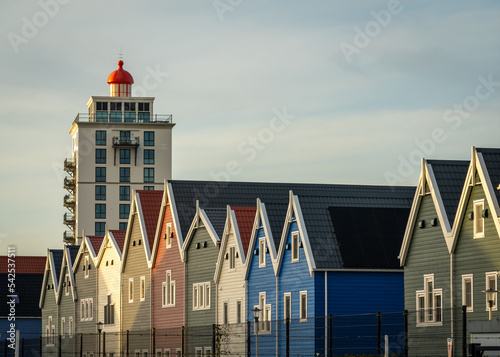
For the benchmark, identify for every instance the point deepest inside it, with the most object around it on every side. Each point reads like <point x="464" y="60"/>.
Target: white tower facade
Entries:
<point x="118" y="146"/>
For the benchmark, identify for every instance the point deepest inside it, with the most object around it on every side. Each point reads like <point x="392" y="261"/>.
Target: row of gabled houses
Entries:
<point x="450" y="254"/>
<point x="200" y="253"/>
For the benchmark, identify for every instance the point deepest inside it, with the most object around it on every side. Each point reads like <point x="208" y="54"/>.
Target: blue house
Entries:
<point x="338" y="256"/>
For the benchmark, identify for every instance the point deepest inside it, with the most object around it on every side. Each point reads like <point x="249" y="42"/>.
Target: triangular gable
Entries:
<point x="85" y="246"/>
<point x="427" y="184"/>
<point x="202" y="217"/>
<point x="294" y="212"/>
<point x="231" y="227"/>
<point x="49" y="266"/>
<point x="260" y="217"/>
<point x="175" y="214"/>
<point x="137" y="207"/>
<point x="477" y="168"/>
<point x="68" y="264"/>
<point x="109" y="237"/>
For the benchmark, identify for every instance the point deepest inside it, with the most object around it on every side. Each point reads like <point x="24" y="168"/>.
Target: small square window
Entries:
<point x="100" y="137"/>
<point x="124" y="193"/>
<point x="149" y="138"/>
<point x="100" y="156"/>
<point x="124" y="174"/>
<point x="124" y="211"/>
<point x="100" y="228"/>
<point x="124" y="156"/>
<point x="149" y="188"/>
<point x="100" y="193"/>
<point x="149" y="174"/>
<point x="122" y="226"/>
<point x="100" y="174"/>
<point x="149" y="156"/>
<point x="100" y="210"/>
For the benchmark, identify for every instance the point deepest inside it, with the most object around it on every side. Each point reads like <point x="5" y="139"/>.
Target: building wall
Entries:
<point x="66" y="310"/>
<point x="200" y="268"/>
<point x="168" y="319"/>
<point x="49" y="308"/>
<point x="136" y="315"/>
<point x="108" y="282"/>
<point x="427" y="254"/>
<point x="84" y="150"/>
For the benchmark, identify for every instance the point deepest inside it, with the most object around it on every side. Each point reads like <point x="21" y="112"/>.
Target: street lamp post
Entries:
<point x="256" y="312"/>
<point x="490" y="297"/>
<point x="99" y="329"/>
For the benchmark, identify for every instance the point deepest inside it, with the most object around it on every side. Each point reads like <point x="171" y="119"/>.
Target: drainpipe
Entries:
<point x="277" y="322"/>
<point x="451" y="294"/>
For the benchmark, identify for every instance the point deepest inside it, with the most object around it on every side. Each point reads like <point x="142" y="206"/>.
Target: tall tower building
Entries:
<point x="119" y="145"/>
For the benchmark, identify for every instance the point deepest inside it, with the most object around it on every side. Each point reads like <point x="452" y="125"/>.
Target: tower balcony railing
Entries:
<point x="124" y="117"/>
<point x="69" y="200"/>
<point x="69" y="165"/>
<point x="68" y="236"/>
<point x="117" y="141"/>
<point x="69" y="218"/>
<point x="69" y="183"/>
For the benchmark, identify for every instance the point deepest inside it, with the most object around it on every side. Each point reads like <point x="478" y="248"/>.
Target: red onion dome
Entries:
<point x="120" y="76"/>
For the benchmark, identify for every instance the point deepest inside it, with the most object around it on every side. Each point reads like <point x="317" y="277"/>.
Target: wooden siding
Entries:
<point x="136" y="315"/>
<point x="50" y="308"/>
<point x="86" y="289"/>
<point x="168" y="259"/>
<point x="108" y="282"/>
<point x="200" y="267"/>
<point x="66" y="303"/>
<point x="428" y="254"/>
<point x="475" y="256"/>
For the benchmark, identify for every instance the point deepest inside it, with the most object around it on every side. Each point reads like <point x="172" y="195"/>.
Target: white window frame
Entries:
<point x="168" y="234"/>
<point x="198" y="352"/>
<point x="201" y="296"/>
<point x="225" y="312"/>
<point x="87" y="270"/>
<point x="71" y="327"/>
<point x="232" y="257"/>
<point x="478" y="220"/>
<point x="166" y="352"/>
<point x="265" y="314"/>
<point x="168" y="290"/>
<point x="63" y="327"/>
<point x="87" y="309"/>
<point x="303" y="306"/>
<point x="207" y="351"/>
<point x="145" y="353"/>
<point x="143" y="288"/>
<point x="262" y="252"/>
<point x="131" y="290"/>
<point x="178" y="352"/>
<point x="287" y="296"/>
<point x="295" y="246"/>
<point x="468" y="278"/>
<point x="66" y="288"/>
<point x="492" y="274"/>
<point x="432" y="312"/>
<point x="238" y="311"/>
<point x="160" y="351"/>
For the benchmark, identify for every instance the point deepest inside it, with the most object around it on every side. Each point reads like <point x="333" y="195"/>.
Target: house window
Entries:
<point x="288" y="306"/>
<point x="303" y="306"/>
<point x="168" y="235"/>
<point x="100" y="228"/>
<point x="109" y="311"/>
<point x="115" y="114"/>
<point x="178" y="352"/>
<point x="143" y="288"/>
<point x="478" y="219"/>
<point x="125" y="136"/>
<point x="207" y="351"/>
<point x="467" y="289"/>
<point x="238" y="311"/>
<point x="198" y="352"/>
<point x="265" y="313"/>
<point x="158" y="353"/>
<point x="149" y="174"/>
<point x="166" y="352"/>
<point x="295" y="247"/>
<point x="124" y="211"/>
<point x="100" y="210"/>
<point x="50" y="331"/>
<point x="143" y="112"/>
<point x="225" y="312"/>
<point x="149" y="156"/>
<point x="100" y="174"/>
<point x="124" y="174"/>
<point x="100" y="193"/>
<point x="429" y="303"/>
<point x="131" y="290"/>
<point x="67" y="284"/>
<point x="63" y="327"/>
<point x="491" y="283"/>
<point x="124" y="156"/>
<point x="71" y="327"/>
<point x="87" y="309"/>
<point x="168" y="290"/>
<point x="122" y="226"/>
<point x="149" y="188"/>
<point x="100" y="156"/>
<point x="201" y="296"/>
<point x="87" y="267"/>
<point x="232" y="257"/>
<point x="149" y="138"/>
<point x="124" y="193"/>
<point x="262" y="252"/>
<point x="100" y="137"/>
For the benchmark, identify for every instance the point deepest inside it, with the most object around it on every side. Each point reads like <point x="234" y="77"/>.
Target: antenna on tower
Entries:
<point x="120" y="55"/>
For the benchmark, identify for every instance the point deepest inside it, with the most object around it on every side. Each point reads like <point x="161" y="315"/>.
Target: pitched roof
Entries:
<point x="150" y="206"/>
<point x="315" y="199"/>
<point x="245" y="217"/>
<point x="217" y="217"/>
<point x="492" y="161"/>
<point x="24" y="264"/>
<point x="73" y="250"/>
<point x="96" y="242"/>
<point x="57" y="255"/>
<point x="28" y="287"/>
<point x="119" y="236"/>
<point x="450" y="177"/>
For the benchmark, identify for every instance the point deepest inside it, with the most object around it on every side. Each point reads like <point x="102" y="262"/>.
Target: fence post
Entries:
<point x="59" y="352"/>
<point x="249" y="351"/>
<point x="182" y="340"/>
<point x="5" y="347"/>
<point x="22" y="347"/>
<point x="41" y="344"/>
<point x="153" y="343"/>
<point x="128" y="341"/>
<point x="103" y="343"/>
<point x="287" y="337"/>
<point x="406" y="333"/>
<point x="330" y="335"/>
<point x="379" y="333"/>
<point x="81" y="345"/>
<point x="213" y="338"/>
<point x="464" y="331"/>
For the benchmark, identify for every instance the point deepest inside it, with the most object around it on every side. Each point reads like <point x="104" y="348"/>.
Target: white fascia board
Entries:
<point x="223" y="245"/>
<point x="175" y="216"/>
<point x="261" y="207"/>
<point x="304" y="235"/>
<point x="209" y="227"/>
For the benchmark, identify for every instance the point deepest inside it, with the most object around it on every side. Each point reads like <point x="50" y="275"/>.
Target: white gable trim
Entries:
<point x="49" y="265"/>
<point x="68" y="264"/>
<point x="175" y="216"/>
<point x="108" y="237"/>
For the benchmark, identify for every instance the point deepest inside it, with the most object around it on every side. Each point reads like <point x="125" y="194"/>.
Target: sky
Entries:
<point x="353" y="92"/>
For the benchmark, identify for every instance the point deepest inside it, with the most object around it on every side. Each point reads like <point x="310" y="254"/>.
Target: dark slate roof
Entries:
<point x="369" y="237"/>
<point x="492" y="161"/>
<point x="217" y="217"/>
<point x="450" y="177"/>
<point x="315" y="200"/>
<point x="57" y="255"/>
<point x="28" y="287"/>
<point x="73" y="252"/>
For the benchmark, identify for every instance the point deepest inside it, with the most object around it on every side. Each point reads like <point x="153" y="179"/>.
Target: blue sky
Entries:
<point x="291" y="91"/>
